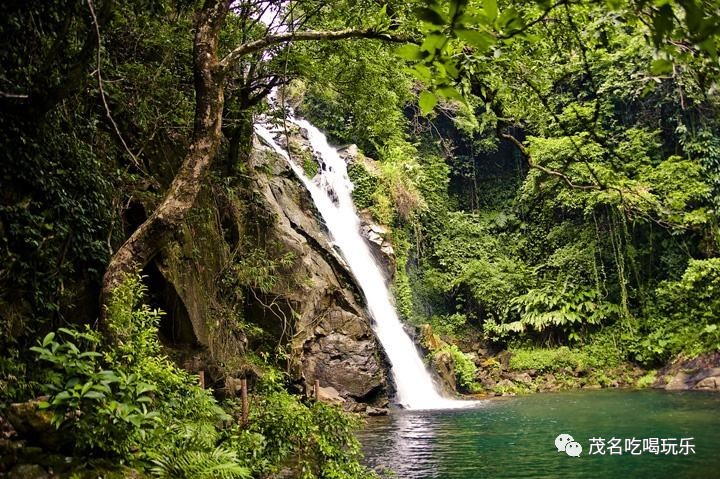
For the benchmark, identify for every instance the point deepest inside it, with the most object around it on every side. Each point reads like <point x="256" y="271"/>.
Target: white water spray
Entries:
<point x="332" y="196"/>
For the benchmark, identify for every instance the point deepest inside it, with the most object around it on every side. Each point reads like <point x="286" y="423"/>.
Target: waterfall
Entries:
<point x="331" y="192"/>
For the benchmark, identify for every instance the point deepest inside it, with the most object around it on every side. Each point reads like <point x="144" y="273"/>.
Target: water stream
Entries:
<point x="331" y="191"/>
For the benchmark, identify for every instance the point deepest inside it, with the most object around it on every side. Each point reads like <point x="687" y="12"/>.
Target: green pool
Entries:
<point x="515" y="437"/>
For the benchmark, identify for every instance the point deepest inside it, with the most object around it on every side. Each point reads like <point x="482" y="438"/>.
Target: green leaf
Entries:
<point x="467" y="19"/>
<point x="108" y="376"/>
<point x="663" y="23"/>
<point x="89" y="354"/>
<point x="61" y="396"/>
<point x="422" y="72"/>
<point x="427" y="101"/>
<point x="710" y="47"/>
<point x="48" y="339"/>
<point x="411" y="52"/>
<point x="482" y="41"/>
<point x="693" y="16"/>
<point x="86" y="387"/>
<point x="491" y="9"/>
<point x="433" y="42"/>
<point x="510" y="20"/>
<point x="661" y="66"/>
<point x="451" y="93"/>
<point x="145" y="387"/>
<point x="451" y="69"/>
<point x="430" y="16"/>
<point x="39" y="350"/>
<point x="94" y="395"/>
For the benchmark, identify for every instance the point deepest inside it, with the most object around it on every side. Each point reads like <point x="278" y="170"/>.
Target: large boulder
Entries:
<point x="702" y="378"/>
<point x="34" y="424"/>
<point x="699" y="373"/>
<point x="28" y="471"/>
<point x="313" y="308"/>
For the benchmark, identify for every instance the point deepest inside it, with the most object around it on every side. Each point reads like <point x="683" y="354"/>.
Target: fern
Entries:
<point x="555" y="307"/>
<point x="218" y="463"/>
<point x="197" y="435"/>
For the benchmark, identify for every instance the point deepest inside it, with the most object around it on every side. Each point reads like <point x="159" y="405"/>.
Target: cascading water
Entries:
<point x="332" y="196"/>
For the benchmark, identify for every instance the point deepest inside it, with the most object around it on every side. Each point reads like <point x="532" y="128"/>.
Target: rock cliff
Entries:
<point x="311" y="308"/>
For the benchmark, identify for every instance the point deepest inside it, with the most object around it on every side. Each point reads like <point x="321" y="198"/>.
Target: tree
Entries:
<point x="211" y="74"/>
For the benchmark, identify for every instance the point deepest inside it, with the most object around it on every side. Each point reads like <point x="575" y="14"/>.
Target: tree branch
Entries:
<point x="147" y="240"/>
<point x="311" y="35"/>
<point x="531" y="24"/>
<point x="523" y="151"/>
<point x="102" y="90"/>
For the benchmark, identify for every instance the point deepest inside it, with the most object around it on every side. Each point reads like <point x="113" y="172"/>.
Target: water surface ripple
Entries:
<point x="514" y="437"/>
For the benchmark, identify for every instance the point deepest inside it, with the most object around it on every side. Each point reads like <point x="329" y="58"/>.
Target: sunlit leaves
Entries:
<point x="411" y="52"/>
<point x="482" y="41"/>
<point x="491" y="9"/>
<point x="661" y="66"/>
<point x="427" y="101"/>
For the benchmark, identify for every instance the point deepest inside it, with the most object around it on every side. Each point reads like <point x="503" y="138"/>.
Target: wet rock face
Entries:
<point x="348" y="153"/>
<point x="34" y="424"/>
<point x="380" y="246"/>
<point x="27" y="419"/>
<point x="443" y="365"/>
<point x="332" y="338"/>
<point x="319" y="314"/>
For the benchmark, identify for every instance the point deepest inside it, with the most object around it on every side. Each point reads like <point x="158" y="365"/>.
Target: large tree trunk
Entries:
<point x="149" y="238"/>
<point x="210" y="72"/>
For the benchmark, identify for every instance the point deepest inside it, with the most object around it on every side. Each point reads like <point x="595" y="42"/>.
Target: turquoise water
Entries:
<point x="515" y="437"/>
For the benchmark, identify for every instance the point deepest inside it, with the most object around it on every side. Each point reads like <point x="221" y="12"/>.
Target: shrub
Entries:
<point x="684" y="317"/>
<point x="112" y="402"/>
<point x="647" y="380"/>
<point x="132" y="405"/>
<point x="105" y="410"/>
<point x="364" y="185"/>
<point x="547" y="360"/>
<point x="313" y="440"/>
<point x="464" y="368"/>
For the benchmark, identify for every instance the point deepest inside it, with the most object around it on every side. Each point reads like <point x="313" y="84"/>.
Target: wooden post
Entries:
<point x="316" y="391"/>
<point x="201" y="378"/>
<point x="245" y="406"/>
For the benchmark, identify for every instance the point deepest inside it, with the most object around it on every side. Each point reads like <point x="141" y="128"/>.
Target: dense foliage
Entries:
<point x="575" y="195"/>
<point x="549" y="173"/>
<point x="133" y="405"/>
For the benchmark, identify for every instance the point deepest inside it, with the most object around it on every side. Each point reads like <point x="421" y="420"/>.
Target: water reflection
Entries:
<point x="406" y="443"/>
<point x="515" y="438"/>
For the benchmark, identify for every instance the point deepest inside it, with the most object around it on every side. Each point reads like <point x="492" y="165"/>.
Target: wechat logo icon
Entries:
<point x="565" y="443"/>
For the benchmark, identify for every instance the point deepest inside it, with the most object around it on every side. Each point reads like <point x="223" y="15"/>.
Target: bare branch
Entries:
<point x="102" y="90"/>
<point x="14" y="96"/>
<point x="280" y="38"/>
